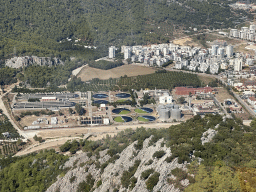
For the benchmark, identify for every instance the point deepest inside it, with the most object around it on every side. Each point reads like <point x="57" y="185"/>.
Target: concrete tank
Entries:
<point x="164" y="114"/>
<point x="176" y="114"/>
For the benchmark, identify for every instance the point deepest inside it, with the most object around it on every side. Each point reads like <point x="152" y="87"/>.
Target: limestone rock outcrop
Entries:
<point x="17" y="62"/>
<point x="81" y="165"/>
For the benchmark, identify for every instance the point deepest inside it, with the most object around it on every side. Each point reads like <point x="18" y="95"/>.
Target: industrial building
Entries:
<point x="186" y="91"/>
<point x="43" y="105"/>
<point x="94" y="120"/>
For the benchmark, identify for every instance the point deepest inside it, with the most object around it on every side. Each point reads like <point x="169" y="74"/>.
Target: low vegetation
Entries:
<point x="145" y="174"/>
<point x="152" y="181"/>
<point x="127" y="178"/>
<point x="143" y="119"/>
<point x="159" y="154"/>
<point x="119" y="119"/>
<point x="140" y="111"/>
<point x="102" y="64"/>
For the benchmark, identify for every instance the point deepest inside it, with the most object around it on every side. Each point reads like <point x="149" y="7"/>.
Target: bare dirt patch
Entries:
<point x="223" y="95"/>
<point x="187" y="41"/>
<point x="88" y="73"/>
<point x="205" y="79"/>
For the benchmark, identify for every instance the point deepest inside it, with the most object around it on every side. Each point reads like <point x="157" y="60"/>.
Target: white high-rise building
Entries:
<point x="238" y="64"/>
<point x="127" y="53"/>
<point x="165" y="51"/>
<point x="229" y="51"/>
<point x="221" y="52"/>
<point x="111" y="52"/>
<point x="214" y="50"/>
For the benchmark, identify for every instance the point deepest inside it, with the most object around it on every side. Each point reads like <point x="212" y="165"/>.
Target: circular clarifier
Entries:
<point x="121" y="111"/>
<point x="100" y="96"/>
<point x="123" y="95"/>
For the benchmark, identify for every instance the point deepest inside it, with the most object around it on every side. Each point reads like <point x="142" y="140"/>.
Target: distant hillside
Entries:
<point x="29" y="27"/>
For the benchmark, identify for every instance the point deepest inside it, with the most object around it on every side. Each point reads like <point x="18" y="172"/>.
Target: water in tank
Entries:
<point x="176" y="114"/>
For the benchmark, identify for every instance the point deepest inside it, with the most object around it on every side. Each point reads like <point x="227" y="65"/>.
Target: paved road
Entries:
<point x="2" y="106"/>
<point x="249" y="109"/>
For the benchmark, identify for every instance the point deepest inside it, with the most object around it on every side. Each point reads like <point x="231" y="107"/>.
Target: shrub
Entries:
<point x="149" y="162"/>
<point x="65" y="147"/>
<point x="152" y="181"/>
<point x="126" y="177"/>
<point x="145" y="174"/>
<point x="99" y="183"/>
<point x="179" y="173"/>
<point x="72" y="179"/>
<point x="169" y="159"/>
<point x="103" y="166"/>
<point x="133" y="182"/>
<point x="159" y="154"/>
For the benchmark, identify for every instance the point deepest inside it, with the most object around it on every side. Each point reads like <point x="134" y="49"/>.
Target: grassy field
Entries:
<point x="205" y="79"/>
<point x="124" y="112"/>
<point x="143" y="119"/>
<point x="88" y="73"/>
<point x="140" y="111"/>
<point x="119" y="119"/>
<point x="121" y="100"/>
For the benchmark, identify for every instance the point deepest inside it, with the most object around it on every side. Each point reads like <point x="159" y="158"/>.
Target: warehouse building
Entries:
<point x="186" y="91"/>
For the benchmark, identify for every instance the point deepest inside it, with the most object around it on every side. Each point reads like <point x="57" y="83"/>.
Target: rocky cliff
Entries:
<point x="17" y="62"/>
<point x="111" y="176"/>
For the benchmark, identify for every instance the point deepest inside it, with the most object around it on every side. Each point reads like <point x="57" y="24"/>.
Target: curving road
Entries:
<point x="2" y="106"/>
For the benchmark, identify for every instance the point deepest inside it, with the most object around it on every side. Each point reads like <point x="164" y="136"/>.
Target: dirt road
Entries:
<point x="57" y="137"/>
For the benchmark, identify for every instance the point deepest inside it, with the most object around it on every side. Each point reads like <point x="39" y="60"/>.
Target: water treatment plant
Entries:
<point x="112" y="107"/>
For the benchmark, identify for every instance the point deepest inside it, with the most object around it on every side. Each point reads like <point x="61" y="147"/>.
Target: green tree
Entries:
<point x="222" y="178"/>
<point x="79" y="109"/>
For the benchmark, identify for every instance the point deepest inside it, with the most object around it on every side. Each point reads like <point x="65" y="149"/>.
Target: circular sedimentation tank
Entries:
<point x="100" y="95"/>
<point x="100" y="102"/>
<point x="120" y="111"/>
<point x="123" y="119"/>
<point x="146" y="118"/>
<point x="143" y="110"/>
<point x="123" y="95"/>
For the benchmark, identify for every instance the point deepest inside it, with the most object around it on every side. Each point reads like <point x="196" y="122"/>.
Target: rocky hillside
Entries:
<point x="125" y="170"/>
<point x="17" y="62"/>
<point x="202" y="154"/>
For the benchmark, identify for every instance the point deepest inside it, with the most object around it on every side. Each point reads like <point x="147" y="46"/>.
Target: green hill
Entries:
<point x="36" y="27"/>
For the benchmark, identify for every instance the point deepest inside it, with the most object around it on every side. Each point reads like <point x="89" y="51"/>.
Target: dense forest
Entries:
<point x="40" y="28"/>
